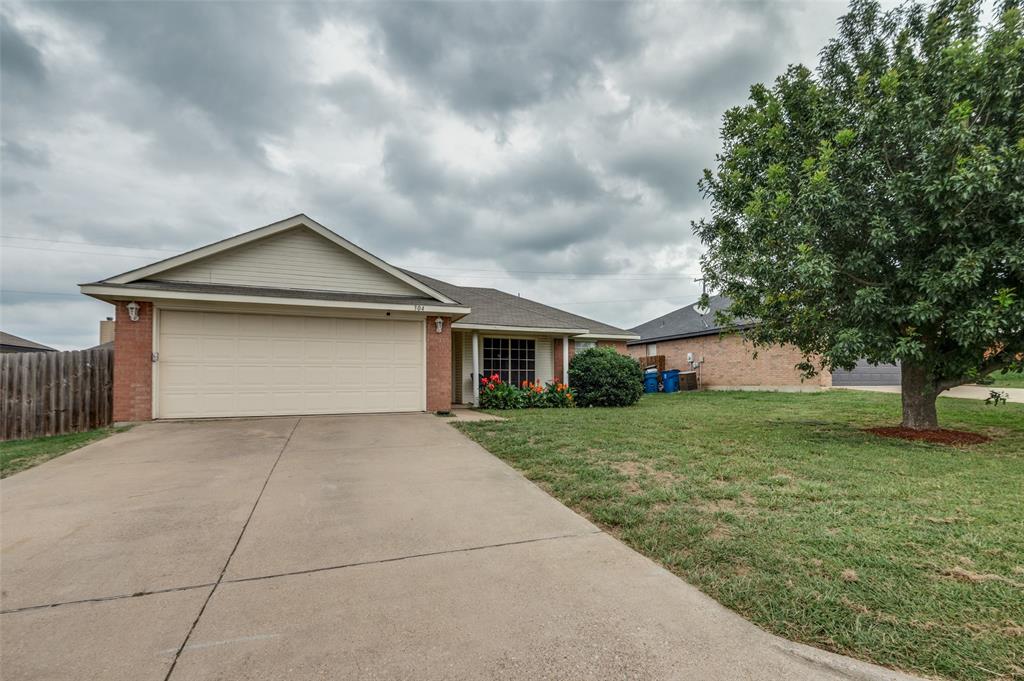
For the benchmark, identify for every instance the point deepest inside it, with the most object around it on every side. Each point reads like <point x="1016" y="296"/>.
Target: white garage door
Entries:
<point x="224" y="364"/>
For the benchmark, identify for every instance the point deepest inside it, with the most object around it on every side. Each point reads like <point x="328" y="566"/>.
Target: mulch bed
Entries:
<point x="942" y="436"/>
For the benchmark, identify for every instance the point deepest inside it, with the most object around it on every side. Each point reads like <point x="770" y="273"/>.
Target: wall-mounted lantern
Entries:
<point x="439" y="324"/>
<point x="133" y="311"/>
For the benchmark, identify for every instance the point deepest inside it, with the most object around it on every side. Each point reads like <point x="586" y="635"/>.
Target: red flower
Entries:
<point x="490" y="386"/>
<point x="495" y="377"/>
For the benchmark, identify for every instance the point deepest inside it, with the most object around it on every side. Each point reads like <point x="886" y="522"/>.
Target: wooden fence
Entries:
<point x="49" y="393"/>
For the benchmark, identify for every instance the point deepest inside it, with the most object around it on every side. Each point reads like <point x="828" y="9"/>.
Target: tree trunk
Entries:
<point x="919" y="392"/>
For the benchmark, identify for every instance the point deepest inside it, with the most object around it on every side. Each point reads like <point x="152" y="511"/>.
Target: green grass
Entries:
<point x="1011" y="379"/>
<point x="906" y="554"/>
<point x="18" y="455"/>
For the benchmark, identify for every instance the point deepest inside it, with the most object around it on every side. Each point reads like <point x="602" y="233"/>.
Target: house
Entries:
<point x="291" y="318"/>
<point x="11" y="343"/>
<point x="728" y="360"/>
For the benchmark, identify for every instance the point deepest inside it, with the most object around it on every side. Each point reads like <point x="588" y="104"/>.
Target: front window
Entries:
<point x="513" y="359"/>
<point x="584" y="345"/>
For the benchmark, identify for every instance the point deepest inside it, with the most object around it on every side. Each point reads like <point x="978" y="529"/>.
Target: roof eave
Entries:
<point x="695" y="334"/>
<point x="110" y="294"/>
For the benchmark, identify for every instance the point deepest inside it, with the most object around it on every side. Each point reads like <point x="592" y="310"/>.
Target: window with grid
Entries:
<point x="513" y="359"/>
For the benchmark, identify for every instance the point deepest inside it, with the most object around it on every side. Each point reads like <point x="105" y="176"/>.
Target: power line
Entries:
<point x="87" y="243"/>
<point x="555" y="274"/>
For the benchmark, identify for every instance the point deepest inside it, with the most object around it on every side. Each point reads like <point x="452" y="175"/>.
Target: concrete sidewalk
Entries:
<point x="343" y="548"/>
<point x="966" y="392"/>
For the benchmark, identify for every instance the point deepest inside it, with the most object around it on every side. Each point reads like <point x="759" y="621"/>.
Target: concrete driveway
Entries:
<point x="356" y="547"/>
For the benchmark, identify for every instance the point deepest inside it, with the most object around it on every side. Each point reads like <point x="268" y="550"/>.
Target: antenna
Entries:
<point x="700" y="308"/>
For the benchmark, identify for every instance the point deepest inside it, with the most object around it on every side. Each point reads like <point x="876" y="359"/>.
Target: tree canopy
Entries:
<point x="874" y="208"/>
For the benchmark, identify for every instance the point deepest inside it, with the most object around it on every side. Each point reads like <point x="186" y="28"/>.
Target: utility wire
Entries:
<point x="561" y="275"/>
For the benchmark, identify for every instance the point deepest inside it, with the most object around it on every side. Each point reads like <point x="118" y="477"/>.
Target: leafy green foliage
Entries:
<point x="496" y="394"/>
<point x="875" y="208"/>
<point x="602" y="377"/>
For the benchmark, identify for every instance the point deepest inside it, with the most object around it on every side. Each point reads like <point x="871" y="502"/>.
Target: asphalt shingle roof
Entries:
<point x="685" y="322"/>
<point x="497" y="308"/>
<point x="19" y="342"/>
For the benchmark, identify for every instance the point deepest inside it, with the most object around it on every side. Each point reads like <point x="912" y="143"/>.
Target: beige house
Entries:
<point x="291" y="318"/>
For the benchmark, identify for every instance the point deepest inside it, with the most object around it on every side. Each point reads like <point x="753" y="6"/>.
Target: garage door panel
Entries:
<point x="319" y="350"/>
<point x="406" y="376"/>
<point x="227" y="364"/>
<point x="179" y="346"/>
<point x="218" y="348"/>
<point x="253" y="348"/>
<point x="286" y="349"/>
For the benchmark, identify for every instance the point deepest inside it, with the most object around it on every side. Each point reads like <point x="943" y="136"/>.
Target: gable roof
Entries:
<point x="300" y="220"/>
<point x="686" y="322"/>
<point x="493" y="308"/>
<point x="19" y="342"/>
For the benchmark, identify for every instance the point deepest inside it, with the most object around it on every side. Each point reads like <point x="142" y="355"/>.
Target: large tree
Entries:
<point x="874" y="208"/>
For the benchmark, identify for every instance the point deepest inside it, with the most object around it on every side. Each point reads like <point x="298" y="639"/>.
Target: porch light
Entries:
<point x="439" y="323"/>
<point x="133" y="311"/>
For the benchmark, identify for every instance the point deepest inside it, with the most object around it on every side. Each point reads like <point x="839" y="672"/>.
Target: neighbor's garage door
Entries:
<point x="868" y="374"/>
<point x="225" y="364"/>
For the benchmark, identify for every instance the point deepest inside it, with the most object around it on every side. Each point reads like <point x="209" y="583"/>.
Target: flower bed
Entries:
<point x="496" y="394"/>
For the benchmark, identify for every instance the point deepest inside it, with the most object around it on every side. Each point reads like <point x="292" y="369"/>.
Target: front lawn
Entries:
<point x="17" y="455"/>
<point x="778" y="505"/>
<point x="1011" y="379"/>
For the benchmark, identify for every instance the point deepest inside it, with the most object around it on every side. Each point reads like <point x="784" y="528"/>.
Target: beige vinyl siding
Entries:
<point x="295" y="259"/>
<point x="545" y="370"/>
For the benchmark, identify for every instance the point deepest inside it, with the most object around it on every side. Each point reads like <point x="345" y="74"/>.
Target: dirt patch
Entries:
<point x="719" y="532"/>
<point x="964" y="575"/>
<point x="941" y="436"/>
<point x="636" y="469"/>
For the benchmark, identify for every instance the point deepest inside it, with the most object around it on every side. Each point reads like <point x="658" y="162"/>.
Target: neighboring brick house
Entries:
<point x="728" y="360"/>
<point x="293" y="319"/>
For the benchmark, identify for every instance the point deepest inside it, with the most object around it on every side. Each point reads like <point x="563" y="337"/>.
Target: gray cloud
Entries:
<point x="548" y="149"/>
<point x="496" y="58"/>
<point x="19" y="58"/>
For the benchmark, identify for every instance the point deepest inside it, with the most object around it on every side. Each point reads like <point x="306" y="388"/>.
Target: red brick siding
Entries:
<point x="728" y="361"/>
<point x="439" y="365"/>
<point x="133" y="364"/>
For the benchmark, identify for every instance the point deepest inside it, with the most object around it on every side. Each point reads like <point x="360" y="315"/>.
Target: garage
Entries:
<point x="217" y="364"/>
<point x="865" y="373"/>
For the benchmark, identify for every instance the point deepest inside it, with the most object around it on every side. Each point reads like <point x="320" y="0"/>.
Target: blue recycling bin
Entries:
<point x="651" y="381"/>
<point x="671" y="380"/>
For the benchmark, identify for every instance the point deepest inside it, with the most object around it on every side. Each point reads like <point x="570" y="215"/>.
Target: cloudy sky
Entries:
<point x="550" y="150"/>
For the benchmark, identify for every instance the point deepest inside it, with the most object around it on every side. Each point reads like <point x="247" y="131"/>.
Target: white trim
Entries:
<point x="565" y="360"/>
<point x="518" y="329"/>
<point x="423" y="404"/>
<point x="300" y="220"/>
<point x="608" y="336"/>
<point x="154" y="366"/>
<point x="109" y="293"/>
<point x="476" y="370"/>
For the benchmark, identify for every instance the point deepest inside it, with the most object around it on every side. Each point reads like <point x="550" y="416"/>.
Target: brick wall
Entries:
<point x="133" y="364"/>
<point x="439" y="365"/>
<point x="728" y="362"/>
<point x="557" y="349"/>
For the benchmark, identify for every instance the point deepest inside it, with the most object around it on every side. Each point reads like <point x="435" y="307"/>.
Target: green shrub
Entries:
<point x="496" y="394"/>
<point x="602" y="377"/>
